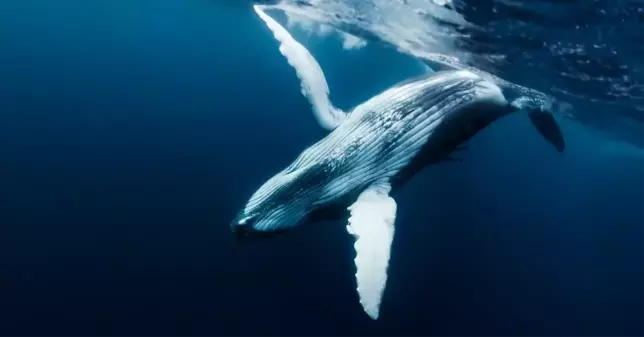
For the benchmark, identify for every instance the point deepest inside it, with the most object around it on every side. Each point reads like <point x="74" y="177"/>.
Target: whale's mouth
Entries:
<point x="246" y="234"/>
<point x="243" y="228"/>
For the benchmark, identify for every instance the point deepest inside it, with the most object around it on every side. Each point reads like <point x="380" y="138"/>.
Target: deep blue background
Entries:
<point x="131" y="133"/>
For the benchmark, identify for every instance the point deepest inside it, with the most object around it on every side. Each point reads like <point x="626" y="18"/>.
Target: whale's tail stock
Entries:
<point x="540" y="107"/>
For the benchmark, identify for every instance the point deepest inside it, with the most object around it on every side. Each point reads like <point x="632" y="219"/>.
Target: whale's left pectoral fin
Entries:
<point x="372" y="225"/>
<point x="312" y="80"/>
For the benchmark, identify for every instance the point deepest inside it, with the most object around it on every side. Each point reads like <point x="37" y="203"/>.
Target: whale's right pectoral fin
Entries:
<point x="372" y="225"/>
<point x="312" y="80"/>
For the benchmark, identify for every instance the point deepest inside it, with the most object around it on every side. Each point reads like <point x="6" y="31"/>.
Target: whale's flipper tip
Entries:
<point x="547" y="126"/>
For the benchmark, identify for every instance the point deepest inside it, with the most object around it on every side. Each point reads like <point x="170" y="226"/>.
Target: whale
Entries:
<point x="353" y="173"/>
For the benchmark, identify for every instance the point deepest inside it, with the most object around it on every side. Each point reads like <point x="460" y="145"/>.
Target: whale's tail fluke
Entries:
<point x="312" y="80"/>
<point x="542" y="119"/>
<point x="548" y="128"/>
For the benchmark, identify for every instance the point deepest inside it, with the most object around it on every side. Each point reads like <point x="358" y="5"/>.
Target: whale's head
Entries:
<point x="281" y="203"/>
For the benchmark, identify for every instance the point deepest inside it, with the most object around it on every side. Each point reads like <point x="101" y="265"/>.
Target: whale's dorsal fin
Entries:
<point x="312" y="80"/>
<point x="372" y="225"/>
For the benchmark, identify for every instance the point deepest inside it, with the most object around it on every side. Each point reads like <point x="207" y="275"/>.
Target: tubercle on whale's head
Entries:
<point x="280" y="204"/>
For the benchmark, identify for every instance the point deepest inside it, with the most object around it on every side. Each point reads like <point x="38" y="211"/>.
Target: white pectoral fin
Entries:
<point x="372" y="225"/>
<point x="312" y="80"/>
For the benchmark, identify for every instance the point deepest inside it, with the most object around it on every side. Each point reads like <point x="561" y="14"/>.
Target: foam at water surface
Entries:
<point x="576" y="54"/>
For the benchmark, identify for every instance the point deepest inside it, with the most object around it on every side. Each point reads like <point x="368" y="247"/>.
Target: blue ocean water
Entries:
<point x="132" y="132"/>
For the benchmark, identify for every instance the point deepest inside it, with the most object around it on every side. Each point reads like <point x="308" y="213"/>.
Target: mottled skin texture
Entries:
<point x="388" y="138"/>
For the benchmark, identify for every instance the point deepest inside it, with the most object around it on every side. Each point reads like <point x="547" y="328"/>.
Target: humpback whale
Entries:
<point x="370" y="152"/>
